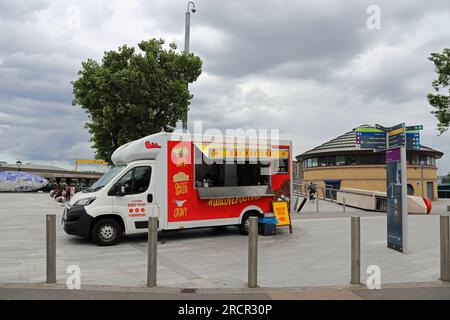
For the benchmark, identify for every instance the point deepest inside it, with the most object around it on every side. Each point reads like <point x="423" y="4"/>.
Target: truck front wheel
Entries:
<point x="106" y="232"/>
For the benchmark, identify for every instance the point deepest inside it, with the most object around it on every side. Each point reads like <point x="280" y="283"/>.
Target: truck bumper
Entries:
<point x="76" y="221"/>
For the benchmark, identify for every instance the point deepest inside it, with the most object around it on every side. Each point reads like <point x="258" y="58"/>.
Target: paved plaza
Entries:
<point x="316" y="254"/>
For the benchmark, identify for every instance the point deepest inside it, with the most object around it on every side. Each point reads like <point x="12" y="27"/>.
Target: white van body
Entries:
<point x="173" y="195"/>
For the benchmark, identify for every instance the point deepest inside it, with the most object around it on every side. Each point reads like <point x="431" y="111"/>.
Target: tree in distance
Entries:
<point x="133" y="94"/>
<point x="438" y="100"/>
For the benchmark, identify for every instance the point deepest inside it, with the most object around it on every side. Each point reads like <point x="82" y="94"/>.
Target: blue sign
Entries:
<point x="412" y="140"/>
<point x="371" y="140"/>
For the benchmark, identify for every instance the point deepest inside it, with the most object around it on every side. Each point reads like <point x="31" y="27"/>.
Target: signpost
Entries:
<point x="376" y="138"/>
<point x="395" y="141"/>
<point x="397" y="194"/>
<point x="397" y="199"/>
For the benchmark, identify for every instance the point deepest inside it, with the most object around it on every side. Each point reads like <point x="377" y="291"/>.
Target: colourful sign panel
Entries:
<point x="281" y="211"/>
<point x="398" y="136"/>
<point x="370" y="138"/>
<point x="412" y="140"/>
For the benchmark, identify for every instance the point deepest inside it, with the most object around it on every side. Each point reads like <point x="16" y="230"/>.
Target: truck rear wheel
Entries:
<point x="245" y="223"/>
<point x="106" y="232"/>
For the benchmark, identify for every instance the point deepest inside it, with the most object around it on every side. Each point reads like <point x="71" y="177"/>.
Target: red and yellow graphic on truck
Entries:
<point x="184" y="203"/>
<point x="136" y="208"/>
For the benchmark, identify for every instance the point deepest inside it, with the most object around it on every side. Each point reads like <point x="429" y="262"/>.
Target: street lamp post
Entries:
<point x="187" y="31"/>
<point x="422" y="164"/>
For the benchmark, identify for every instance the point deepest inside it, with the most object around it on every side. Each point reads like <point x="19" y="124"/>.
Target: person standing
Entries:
<point x="312" y="191"/>
<point x="72" y="191"/>
<point x="67" y="192"/>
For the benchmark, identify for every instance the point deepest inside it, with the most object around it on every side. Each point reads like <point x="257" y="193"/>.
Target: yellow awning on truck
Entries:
<point x="214" y="151"/>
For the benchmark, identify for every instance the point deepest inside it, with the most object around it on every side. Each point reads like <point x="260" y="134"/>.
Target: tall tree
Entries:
<point x="440" y="100"/>
<point x="133" y="94"/>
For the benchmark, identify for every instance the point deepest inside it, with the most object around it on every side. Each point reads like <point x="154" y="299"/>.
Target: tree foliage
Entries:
<point x="440" y="100"/>
<point x="133" y="94"/>
<point x="446" y="179"/>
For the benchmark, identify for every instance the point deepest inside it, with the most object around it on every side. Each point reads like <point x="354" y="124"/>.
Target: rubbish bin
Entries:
<point x="267" y="224"/>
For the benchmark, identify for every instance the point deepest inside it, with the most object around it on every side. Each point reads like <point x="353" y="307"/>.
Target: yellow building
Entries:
<point x="339" y="163"/>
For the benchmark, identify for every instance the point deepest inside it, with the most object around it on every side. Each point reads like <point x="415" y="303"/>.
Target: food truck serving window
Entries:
<point x="225" y="174"/>
<point x="280" y="165"/>
<point x="280" y="162"/>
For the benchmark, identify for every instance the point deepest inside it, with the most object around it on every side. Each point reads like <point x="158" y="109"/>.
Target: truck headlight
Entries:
<point x="84" y="202"/>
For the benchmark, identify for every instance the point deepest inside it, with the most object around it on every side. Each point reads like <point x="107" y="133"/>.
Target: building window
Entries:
<point x="410" y="189"/>
<point x="280" y="165"/>
<point x="415" y="159"/>
<point x="371" y="159"/>
<point x="423" y="159"/>
<point x="306" y="163"/>
<point x="340" y="160"/>
<point x="331" y="161"/>
<point x="351" y="160"/>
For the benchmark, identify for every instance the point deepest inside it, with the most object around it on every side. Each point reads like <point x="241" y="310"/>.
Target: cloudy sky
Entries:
<point x="312" y="69"/>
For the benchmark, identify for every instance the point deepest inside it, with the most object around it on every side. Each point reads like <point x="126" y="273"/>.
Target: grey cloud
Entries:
<point x="291" y="65"/>
<point x="19" y="10"/>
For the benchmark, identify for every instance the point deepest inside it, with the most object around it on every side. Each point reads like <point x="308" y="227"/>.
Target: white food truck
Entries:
<point x="186" y="181"/>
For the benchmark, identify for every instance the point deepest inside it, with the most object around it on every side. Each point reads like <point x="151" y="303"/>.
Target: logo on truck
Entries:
<point x="180" y="203"/>
<point x="181" y="182"/>
<point x="181" y="177"/>
<point x="136" y="209"/>
<point x="152" y="145"/>
<point x="180" y="156"/>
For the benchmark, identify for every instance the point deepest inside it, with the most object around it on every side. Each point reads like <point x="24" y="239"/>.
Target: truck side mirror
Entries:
<point x="117" y="191"/>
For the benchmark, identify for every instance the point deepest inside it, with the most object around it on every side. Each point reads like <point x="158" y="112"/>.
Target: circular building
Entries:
<point x="340" y="163"/>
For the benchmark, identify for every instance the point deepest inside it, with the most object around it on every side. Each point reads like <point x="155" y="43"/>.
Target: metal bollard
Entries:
<point x="253" y="252"/>
<point x="296" y="203"/>
<point x="445" y="248"/>
<point x="51" y="247"/>
<point x="317" y="204"/>
<point x="152" y="251"/>
<point x="343" y="204"/>
<point x="355" y="251"/>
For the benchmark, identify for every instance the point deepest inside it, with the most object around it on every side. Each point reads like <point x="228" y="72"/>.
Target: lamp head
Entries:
<point x="193" y="10"/>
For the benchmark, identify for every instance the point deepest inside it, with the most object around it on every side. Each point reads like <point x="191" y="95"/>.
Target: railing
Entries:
<point x="326" y="193"/>
<point x="364" y="200"/>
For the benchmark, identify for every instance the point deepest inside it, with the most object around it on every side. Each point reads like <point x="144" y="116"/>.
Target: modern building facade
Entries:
<point x="339" y="163"/>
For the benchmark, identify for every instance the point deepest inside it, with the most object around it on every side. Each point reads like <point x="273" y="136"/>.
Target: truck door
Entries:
<point x="134" y="197"/>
